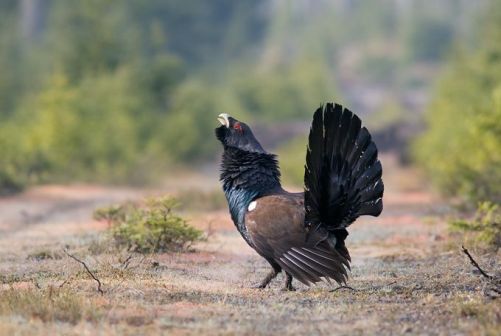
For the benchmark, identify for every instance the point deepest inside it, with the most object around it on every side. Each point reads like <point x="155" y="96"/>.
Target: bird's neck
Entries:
<point x="246" y="176"/>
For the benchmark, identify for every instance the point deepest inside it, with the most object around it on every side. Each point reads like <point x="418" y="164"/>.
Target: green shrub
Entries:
<point x="85" y="132"/>
<point x="148" y="227"/>
<point x="486" y="225"/>
<point x="111" y="214"/>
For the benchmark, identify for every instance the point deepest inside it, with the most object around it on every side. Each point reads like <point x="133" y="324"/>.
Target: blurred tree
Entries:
<point x="109" y="90"/>
<point x="12" y="60"/>
<point x="90" y="37"/>
<point x="100" y="96"/>
<point x="287" y="91"/>
<point x="188" y="132"/>
<point x="429" y="39"/>
<point x="205" y="32"/>
<point x="461" y="147"/>
<point x="85" y="132"/>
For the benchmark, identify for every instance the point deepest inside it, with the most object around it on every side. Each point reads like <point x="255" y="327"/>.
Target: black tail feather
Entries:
<point x="342" y="173"/>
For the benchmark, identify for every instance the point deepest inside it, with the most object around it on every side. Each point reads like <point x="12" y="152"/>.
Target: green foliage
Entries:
<point x="13" y="159"/>
<point x="188" y="131"/>
<point x="91" y="117"/>
<point x="461" y="147"/>
<point x="116" y="91"/>
<point x="84" y="131"/>
<point x="91" y="37"/>
<point x="149" y="227"/>
<point x="107" y="103"/>
<point x="486" y="224"/>
<point x="111" y="214"/>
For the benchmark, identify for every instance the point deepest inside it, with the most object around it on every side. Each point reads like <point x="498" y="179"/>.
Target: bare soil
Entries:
<point x="408" y="275"/>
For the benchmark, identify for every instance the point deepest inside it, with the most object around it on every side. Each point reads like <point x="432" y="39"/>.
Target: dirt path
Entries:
<point x="408" y="275"/>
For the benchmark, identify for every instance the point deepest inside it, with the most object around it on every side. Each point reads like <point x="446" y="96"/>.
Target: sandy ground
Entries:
<point x="408" y="276"/>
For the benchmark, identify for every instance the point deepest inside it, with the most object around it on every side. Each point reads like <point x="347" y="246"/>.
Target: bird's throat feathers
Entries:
<point x="246" y="176"/>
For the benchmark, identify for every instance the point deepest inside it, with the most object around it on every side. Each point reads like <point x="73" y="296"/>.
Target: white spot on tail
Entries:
<point x="252" y="205"/>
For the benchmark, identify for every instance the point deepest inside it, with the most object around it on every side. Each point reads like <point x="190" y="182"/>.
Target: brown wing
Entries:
<point x="276" y="228"/>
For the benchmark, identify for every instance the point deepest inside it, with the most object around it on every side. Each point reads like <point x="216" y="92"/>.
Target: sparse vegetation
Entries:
<point x="402" y="273"/>
<point x="485" y="226"/>
<point x="49" y="305"/>
<point x="487" y="313"/>
<point x="151" y="226"/>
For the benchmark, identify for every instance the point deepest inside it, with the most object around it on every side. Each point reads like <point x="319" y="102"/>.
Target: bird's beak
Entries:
<point x="223" y="119"/>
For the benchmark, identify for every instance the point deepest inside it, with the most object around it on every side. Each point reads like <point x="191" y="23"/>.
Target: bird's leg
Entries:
<point x="270" y="276"/>
<point x="288" y="283"/>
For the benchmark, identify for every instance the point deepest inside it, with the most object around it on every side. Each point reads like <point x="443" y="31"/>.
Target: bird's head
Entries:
<point x="236" y="134"/>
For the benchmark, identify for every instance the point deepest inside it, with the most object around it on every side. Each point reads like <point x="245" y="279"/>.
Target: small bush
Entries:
<point x="111" y="214"/>
<point x="151" y="226"/>
<point x="486" y="224"/>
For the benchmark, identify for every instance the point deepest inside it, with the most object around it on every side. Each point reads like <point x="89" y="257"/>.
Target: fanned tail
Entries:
<point x="342" y="173"/>
<point x="342" y="182"/>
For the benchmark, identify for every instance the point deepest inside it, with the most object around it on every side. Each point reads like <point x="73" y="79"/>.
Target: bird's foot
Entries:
<point x="288" y="288"/>
<point x="266" y="280"/>
<point x="288" y="284"/>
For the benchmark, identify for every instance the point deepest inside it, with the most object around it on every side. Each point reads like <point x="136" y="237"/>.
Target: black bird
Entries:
<point x="302" y="233"/>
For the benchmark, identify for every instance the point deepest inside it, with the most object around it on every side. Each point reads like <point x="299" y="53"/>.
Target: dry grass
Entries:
<point x="48" y="305"/>
<point x="410" y="278"/>
<point x="208" y="292"/>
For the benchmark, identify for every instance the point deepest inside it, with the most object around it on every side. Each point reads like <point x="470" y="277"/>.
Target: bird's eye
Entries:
<point x="238" y="127"/>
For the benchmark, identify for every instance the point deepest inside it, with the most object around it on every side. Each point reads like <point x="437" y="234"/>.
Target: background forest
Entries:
<point x="124" y="92"/>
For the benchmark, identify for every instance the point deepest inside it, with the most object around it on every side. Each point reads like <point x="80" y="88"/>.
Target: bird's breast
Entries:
<point x="275" y="215"/>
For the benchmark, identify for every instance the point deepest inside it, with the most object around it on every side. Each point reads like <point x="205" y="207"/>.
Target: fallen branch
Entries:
<point x="343" y="287"/>
<point x="474" y="263"/>
<point x="361" y="289"/>
<point x="87" y="269"/>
